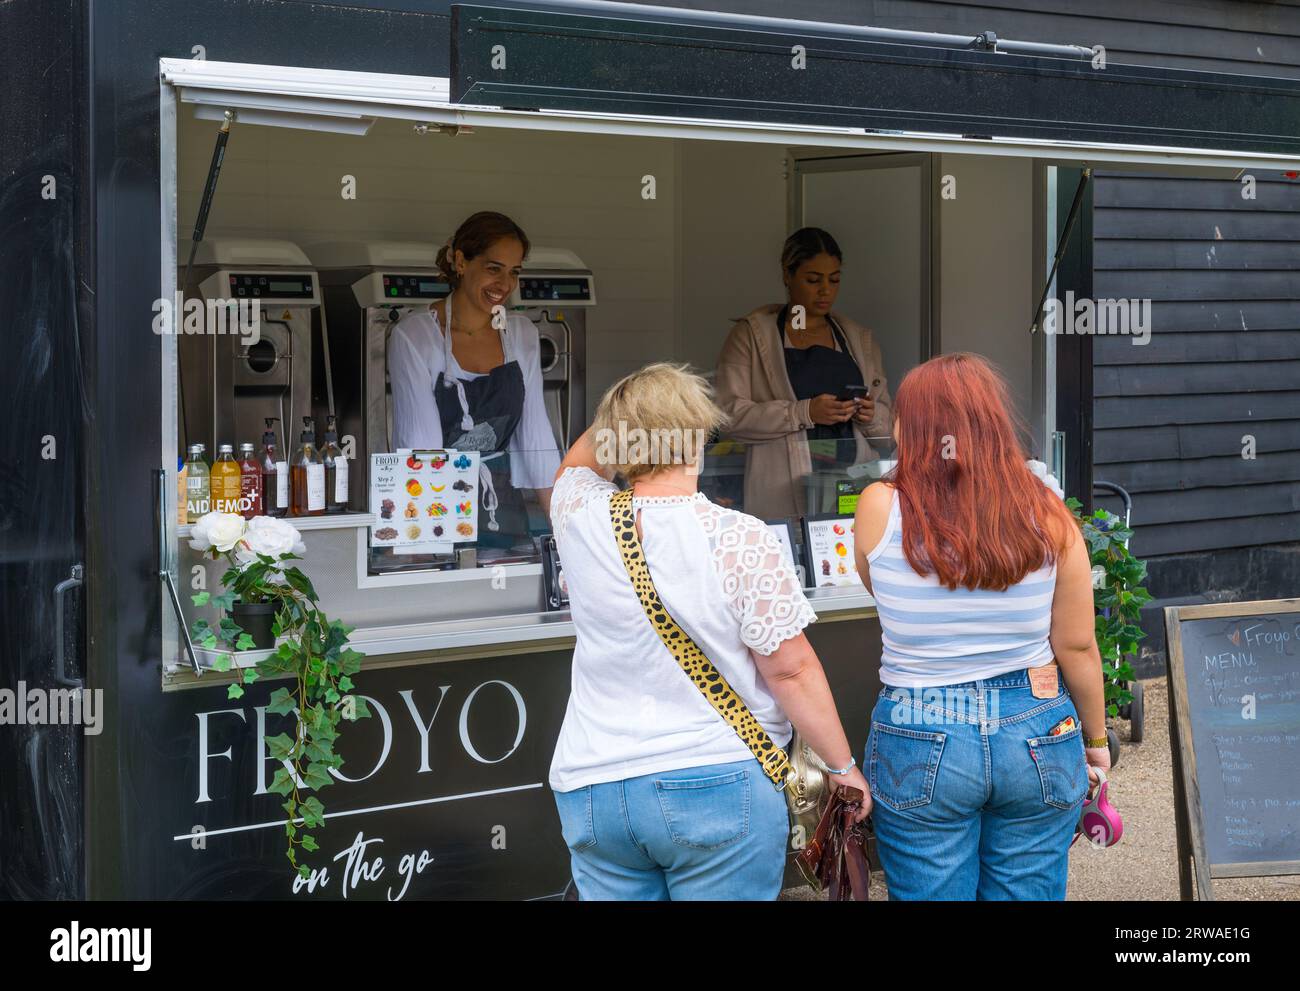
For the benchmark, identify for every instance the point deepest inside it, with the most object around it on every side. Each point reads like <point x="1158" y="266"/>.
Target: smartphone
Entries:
<point x="853" y="392"/>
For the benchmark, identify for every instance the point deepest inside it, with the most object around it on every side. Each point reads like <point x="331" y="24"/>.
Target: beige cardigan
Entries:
<point x="754" y="391"/>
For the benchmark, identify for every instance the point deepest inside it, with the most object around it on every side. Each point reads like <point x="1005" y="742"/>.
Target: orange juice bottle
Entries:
<point x="225" y="481"/>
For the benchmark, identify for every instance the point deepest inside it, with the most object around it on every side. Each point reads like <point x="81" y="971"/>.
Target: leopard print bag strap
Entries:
<point x="708" y="679"/>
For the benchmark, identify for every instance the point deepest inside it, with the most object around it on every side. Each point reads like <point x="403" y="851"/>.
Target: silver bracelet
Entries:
<point x="852" y="764"/>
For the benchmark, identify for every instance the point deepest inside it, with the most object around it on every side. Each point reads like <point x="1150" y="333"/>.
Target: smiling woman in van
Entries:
<point x="479" y="387"/>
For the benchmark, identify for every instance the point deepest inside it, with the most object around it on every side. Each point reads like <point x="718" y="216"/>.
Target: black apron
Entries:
<point x="816" y="370"/>
<point x="494" y="403"/>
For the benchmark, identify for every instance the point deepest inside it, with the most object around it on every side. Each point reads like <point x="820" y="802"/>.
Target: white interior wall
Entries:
<point x="672" y="272"/>
<point x="573" y="191"/>
<point x="732" y="226"/>
<point x="983" y="272"/>
<point x="874" y="208"/>
<point x="986" y="292"/>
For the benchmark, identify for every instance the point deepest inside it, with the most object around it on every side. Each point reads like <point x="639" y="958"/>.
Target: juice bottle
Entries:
<point x="225" y="481"/>
<point x="250" y="483"/>
<point x="307" y="475"/>
<point x="336" y="470"/>
<point x="198" y="487"/>
<point x="275" y="474"/>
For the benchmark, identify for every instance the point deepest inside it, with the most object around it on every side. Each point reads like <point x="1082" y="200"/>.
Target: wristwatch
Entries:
<point x="843" y="770"/>
<point x="1101" y="741"/>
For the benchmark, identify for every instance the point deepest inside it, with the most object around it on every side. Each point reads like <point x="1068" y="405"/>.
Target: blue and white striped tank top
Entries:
<point x="933" y="636"/>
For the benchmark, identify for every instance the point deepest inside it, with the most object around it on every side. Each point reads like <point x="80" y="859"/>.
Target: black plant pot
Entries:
<point x="256" y="619"/>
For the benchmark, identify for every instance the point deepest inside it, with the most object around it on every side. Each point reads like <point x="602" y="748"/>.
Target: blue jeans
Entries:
<point x="973" y="799"/>
<point x="713" y="832"/>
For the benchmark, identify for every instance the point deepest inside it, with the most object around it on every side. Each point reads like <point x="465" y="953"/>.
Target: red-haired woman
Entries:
<point x="993" y="705"/>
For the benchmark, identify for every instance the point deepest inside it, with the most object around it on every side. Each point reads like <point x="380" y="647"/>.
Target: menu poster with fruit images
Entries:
<point x="424" y="501"/>
<point x="828" y="548"/>
<point x="780" y="529"/>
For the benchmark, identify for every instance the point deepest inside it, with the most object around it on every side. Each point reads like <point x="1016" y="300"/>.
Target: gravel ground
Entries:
<point x="1143" y="865"/>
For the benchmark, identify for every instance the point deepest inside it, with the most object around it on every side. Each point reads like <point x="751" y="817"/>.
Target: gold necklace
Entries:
<point x="468" y="333"/>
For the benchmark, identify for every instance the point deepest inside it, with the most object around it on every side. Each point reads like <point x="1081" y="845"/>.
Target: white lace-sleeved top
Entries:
<point x="722" y="575"/>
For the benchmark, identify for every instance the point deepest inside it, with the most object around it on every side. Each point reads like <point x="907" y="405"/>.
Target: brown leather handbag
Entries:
<point x="835" y="859"/>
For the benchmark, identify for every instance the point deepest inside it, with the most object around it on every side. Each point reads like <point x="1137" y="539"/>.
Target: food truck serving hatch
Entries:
<point x="677" y="99"/>
<point x="171" y="801"/>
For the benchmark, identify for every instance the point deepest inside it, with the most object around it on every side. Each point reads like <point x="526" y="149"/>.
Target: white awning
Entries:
<point x="310" y="98"/>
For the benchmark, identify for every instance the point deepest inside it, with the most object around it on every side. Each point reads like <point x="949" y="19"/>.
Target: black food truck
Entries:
<point x="312" y="157"/>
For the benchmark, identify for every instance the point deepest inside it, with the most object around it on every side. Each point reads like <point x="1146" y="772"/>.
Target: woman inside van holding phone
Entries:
<point x="796" y="374"/>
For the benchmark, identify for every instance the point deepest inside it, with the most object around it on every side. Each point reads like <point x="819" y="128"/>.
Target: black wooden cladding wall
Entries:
<point x="1212" y="35"/>
<point x="1239" y="36"/>
<point x="1223" y="363"/>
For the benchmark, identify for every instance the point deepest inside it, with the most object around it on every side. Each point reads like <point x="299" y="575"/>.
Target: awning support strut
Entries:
<point x="1070" y="219"/>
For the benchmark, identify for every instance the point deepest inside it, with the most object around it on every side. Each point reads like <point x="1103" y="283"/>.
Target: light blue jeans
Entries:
<point x="717" y="832"/>
<point x="973" y="799"/>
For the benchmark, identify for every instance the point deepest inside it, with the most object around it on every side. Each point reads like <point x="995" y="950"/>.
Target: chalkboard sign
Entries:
<point x="1234" y="727"/>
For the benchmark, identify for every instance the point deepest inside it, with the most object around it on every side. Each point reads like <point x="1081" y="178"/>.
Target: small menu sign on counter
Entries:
<point x="828" y="549"/>
<point x="424" y="501"/>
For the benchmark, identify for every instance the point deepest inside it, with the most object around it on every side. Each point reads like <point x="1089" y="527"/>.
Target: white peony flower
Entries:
<point x="217" y="531"/>
<point x="269" y="536"/>
<point x="1040" y="471"/>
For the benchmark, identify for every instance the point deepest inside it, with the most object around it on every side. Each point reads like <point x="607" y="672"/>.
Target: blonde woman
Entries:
<point x="658" y="797"/>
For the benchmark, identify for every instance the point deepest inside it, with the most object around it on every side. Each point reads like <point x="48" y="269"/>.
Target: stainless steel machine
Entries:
<point x="555" y="291"/>
<point x="367" y="287"/>
<point x="231" y="382"/>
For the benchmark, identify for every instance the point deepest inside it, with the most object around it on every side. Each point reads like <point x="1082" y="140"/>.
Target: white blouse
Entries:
<point x="416" y="356"/>
<point x="722" y="575"/>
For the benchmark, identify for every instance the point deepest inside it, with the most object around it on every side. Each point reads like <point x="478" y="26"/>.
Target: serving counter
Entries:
<point x="417" y="616"/>
<point x="466" y="675"/>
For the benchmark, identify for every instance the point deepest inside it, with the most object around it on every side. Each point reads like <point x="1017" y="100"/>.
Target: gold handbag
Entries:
<point x="807" y="792"/>
<point x="801" y="773"/>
